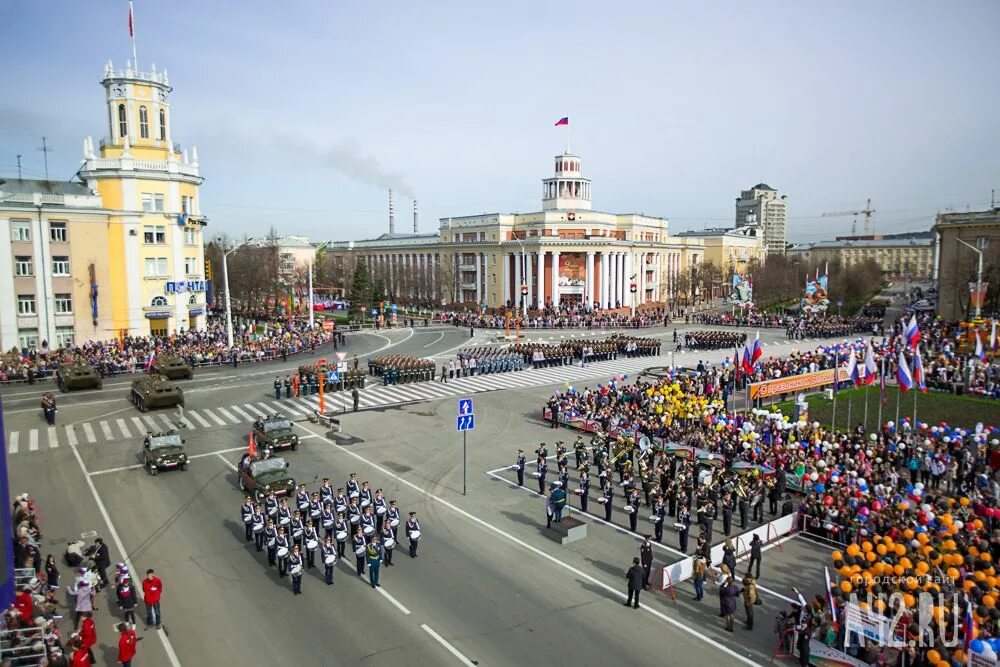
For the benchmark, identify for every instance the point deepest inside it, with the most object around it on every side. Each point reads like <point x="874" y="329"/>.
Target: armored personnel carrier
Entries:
<point x="172" y="366"/>
<point x="78" y="374"/>
<point x="155" y="391"/>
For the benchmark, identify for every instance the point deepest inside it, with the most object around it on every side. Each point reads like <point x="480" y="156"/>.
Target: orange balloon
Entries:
<point x="908" y="533"/>
<point x="952" y="573"/>
<point x="989" y="601"/>
<point x="871" y="556"/>
<point x="838" y="556"/>
<point x="978" y="524"/>
<point x="934" y="656"/>
<point x="900" y="550"/>
<point x="845" y="586"/>
<point x="866" y="546"/>
<point x="897" y="569"/>
<point x="909" y="600"/>
<point x="922" y="538"/>
<point x="881" y="549"/>
<point x="973" y="551"/>
<point x="986" y="556"/>
<point x="853" y="550"/>
<point x="963" y="501"/>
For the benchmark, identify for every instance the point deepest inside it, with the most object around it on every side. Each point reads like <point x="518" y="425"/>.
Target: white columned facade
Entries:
<point x="479" y="278"/>
<point x="605" y="278"/>
<point x="527" y="278"/>
<point x="642" y="279"/>
<point x="618" y="268"/>
<point x="505" y="261"/>
<point x="517" y="280"/>
<point x="540" y="279"/>
<point x="628" y="301"/>
<point x="588" y="291"/>
<point x="555" y="278"/>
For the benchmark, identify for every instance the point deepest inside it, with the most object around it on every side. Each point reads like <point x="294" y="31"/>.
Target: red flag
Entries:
<point x="252" y="449"/>
<point x="131" y="30"/>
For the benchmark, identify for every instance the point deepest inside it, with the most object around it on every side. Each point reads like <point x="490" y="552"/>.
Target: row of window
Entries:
<point x="29" y="337"/>
<point x="157" y="235"/>
<point x="63" y="304"/>
<point x="24" y="266"/>
<point x="143" y="122"/>
<point x="158" y="267"/>
<point x="20" y="230"/>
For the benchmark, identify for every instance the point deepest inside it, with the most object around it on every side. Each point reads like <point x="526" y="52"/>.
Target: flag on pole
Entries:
<point x="918" y="373"/>
<point x="912" y="333"/>
<point x="755" y="352"/>
<point x="131" y="27"/>
<point x="747" y="365"/>
<point x="150" y="362"/>
<point x="562" y="121"/>
<point x="852" y="369"/>
<point x="994" y="343"/>
<point x="980" y="352"/>
<point x="903" y="375"/>
<point x="829" y="594"/>
<point x="871" y="369"/>
<point x="968" y="625"/>
<point x="836" y="373"/>
<point x="736" y="363"/>
<point x="881" y="383"/>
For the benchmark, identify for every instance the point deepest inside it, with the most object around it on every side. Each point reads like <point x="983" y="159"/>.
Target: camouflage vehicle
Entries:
<point x="78" y="374"/>
<point x="258" y="477"/>
<point x="162" y="451"/>
<point x="154" y="391"/>
<point x="275" y="432"/>
<point x="172" y="366"/>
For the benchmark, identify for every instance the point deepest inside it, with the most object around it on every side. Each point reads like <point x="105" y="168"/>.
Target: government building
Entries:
<point x="117" y="250"/>
<point x="565" y="255"/>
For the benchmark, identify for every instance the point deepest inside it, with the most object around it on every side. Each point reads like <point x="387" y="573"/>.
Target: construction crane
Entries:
<point x="866" y="211"/>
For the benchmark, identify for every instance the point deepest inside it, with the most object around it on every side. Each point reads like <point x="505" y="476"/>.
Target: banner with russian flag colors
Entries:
<point x="980" y="351"/>
<point x="912" y="333"/>
<point x="903" y="375"/>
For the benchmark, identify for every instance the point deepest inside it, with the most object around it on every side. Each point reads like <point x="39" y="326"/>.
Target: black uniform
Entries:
<point x="646" y="558"/>
<point x="584" y="492"/>
<point x="634" y="577"/>
<point x="609" y="496"/>
<point x="683" y="518"/>
<point x="519" y="465"/>
<point x="411" y="526"/>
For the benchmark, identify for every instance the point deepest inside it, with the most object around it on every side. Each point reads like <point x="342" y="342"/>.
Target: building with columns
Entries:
<point x="566" y="254"/>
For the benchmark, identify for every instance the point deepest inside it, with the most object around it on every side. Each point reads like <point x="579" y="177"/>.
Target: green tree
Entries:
<point x="378" y="291"/>
<point x="361" y="289"/>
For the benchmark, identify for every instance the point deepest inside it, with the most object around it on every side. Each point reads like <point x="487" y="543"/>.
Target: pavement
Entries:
<point x="489" y="586"/>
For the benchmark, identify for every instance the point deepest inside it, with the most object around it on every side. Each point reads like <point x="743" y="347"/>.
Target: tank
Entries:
<point x="172" y="366"/>
<point x="78" y="374"/>
<point x="155" y="391"/>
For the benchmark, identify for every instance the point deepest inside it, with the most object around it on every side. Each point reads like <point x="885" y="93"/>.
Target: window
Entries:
<point x="20" y="230"/>
<point x="122" y="121"/>
<point x="190" y="236"/>
<point x="64" y="336"/>
<point x="187" y="204"/>
<point x="25" y="304"/>
<point x="154" y="234"/>
<point x="158" y="301"/>
<point x="57" y="232"/>
<point x="64" y="303"/>
<point x="163" y="124"/>
<point x="27" y="337"/>
<point x="60" y="265"/>
<point x="191" y="266"/>
<point x="23" y="266"/>
<point x="144" y="122"/>
<point x="152" y="203"/>
<point x="156" y="267"/>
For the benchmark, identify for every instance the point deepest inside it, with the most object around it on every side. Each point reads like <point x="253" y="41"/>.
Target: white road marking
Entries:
<point x="71" y="435"/>
<point x="266" y="408"/>
<point x="199" y="419"/>
<point x="167" y="646"/>
<point x="151" y="423"/>
<point x="538" y="552"/>
<point x="140" y="425"/>
<point x="451" y="649"/>
<point x="166" y="422"/>
<point x="214" y="418"/>
<point x="229" y="463"/>
<point x="89" y="432"/>
<point x="106" y="430"/>
<point x="228" y="415"/>
<point x="124" y="429"/>
<point x="33" y="440"/>
<point x="286" y="408"/>
<point x="140" y="465"/>
<point x="440" y="336"/>
<point x="15" y="436"/>
<point x="241" y="413"/>
<point x="53" y="438"/>
<point x="252" y="409"/>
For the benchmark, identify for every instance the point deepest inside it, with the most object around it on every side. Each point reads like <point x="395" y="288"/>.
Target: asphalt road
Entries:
<point x="489" y="587"/>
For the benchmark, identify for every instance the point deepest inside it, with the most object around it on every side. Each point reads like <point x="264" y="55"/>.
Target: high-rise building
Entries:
<point x="956" y="263"/>
<point x="763" y="207"/>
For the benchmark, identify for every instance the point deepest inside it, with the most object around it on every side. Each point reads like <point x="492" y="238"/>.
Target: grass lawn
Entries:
<point x="932" y="407"/>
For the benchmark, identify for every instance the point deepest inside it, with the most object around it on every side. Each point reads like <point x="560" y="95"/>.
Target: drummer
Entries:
<point x="413" y="533"/>
<point x="392" y="518"/>
<point x="360" y="545"/>
<point x="368" y="522"/>
<point x="329" y="553"/>
<point x="388" y="543"/>
<point x="353" y="488"/>
<point x="381" y="507"/>
<point x="366" y="495"/>
<point x="341" y="531"/>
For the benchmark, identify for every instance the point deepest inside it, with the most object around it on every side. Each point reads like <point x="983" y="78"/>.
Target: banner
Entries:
<point x="822" y="655"/>
<point x="977" y="297"/>
<point x="867" y="625"/>
<point x="815" y="299"/>
<point x="572" y="269"/>
<point x="742" y="294"/>
<point x="794" y="383"/>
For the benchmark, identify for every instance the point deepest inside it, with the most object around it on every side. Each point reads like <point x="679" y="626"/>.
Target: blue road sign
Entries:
<point x="374" y="311"/>
<point x="393" y="307"/>
<point x="465" y="423"/>
<point x="465" y="406"/>
<point x="333" y="376"/>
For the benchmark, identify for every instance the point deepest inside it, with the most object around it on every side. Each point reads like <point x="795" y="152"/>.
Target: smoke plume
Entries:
<point x="349" y="158"/>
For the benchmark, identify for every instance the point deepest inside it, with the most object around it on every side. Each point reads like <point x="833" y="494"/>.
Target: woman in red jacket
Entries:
<point x="126" y="644"/>
<point x="88" y="636"/>
<point x="81" y="657"/>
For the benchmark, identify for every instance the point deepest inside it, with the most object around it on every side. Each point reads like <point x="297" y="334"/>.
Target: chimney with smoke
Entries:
<point x="392" y="215"/>
<point x="414" y="216"/>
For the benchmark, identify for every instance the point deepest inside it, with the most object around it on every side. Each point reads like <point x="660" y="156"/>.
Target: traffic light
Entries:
<point x="208" y="269"/>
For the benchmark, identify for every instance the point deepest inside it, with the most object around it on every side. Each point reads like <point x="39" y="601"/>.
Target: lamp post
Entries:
<point x="979" y="274"/>
<point x="311" y="302"/>
<point x="524" y="275"/>
<point x="225" y="277"/>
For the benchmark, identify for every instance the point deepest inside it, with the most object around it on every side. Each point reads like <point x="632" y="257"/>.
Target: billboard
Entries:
<point x="572" y="269"/>
<point x="815" y="299"/>
<point x="795" y="383"/>
<point x="742" y="294"/>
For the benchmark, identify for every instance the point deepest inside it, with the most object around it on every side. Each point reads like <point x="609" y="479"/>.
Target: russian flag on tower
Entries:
<point x="562" y="121"/>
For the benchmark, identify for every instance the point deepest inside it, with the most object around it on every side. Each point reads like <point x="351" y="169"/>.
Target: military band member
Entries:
<point x="246" y="512"/>
<point x="341" y="531"/>
<point x="257" y="524"/>
<point x="660" y="512"/>
<point x="271" y="505"/>
<point x="413" y="533"/>
<point x="340" y="502"/>
<point x="284" y="513"/>
<point x="328" y="519"/>
<point x="311" y="538"/>
<point x="270" y="538"/>
<point x="354" y="514"/>
<point x="353" y="487"/>
<point x="564" y="478"/>
<point x="542" y="469"/>
<point x="326" y="492"/>
<point x="584" y="488"/>
<point x="519" y="466"/>
<point x="633" y="516"/>
<point x="368" y="523"/>
<point x="646" y="558"/>
<point x="683" y="526"/>
<point x="295" y="569"/>
<point x="580" y="450"/>
<point x="288" y="386"/>
<point x="374" y="556"/>
<point x="743" y="505"/>
<point x="297" y="528"/>
<point x="283" y="546"/>
<point x="381" y="507"/>
<point x="328" y="552"/>
<point x="392" y="518"/>
<point x="315" y="508"/>
<point x="388" y="542"/>
<point x="727" y="514"/>
<point x="302" y="500"/>
<point x="609" y="496"/>
<point x="359" y="545"/>
<point x="542" y="451"/>
<point x="366" y="495"/>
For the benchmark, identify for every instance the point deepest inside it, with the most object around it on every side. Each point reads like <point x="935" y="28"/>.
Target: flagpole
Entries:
<point x="878" y="423"/>
<point x="131" y="16"/>
<point x="866" y="407"/>
<point x="836" y="388"/>
<point x="898" y="394"/>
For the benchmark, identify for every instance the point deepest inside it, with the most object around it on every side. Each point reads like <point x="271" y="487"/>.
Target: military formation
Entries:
<point x="482" y="360"/>
<point x="543" y="355"/>
<point x="714" y="340"/>
<point x="401" y="369"/>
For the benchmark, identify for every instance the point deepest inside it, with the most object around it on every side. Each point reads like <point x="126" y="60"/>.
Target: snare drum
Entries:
<point x="536" y="475"/>
<point x="258" y="528"/>
<point x="330" y="560"/>
<point x="295" y="571"/>
<point x="354" y="494"/>
<point x="679" y="526"/>
<point x="282" y="552"/>
<point x="355" y="518"/>
<point x="365" y="503"/>
<point x="414" y="535"/>
<point x="380" y="511"/>
<point x="328" y="524"/>
<point x="653" y="518"/>
<point x="271" y="542"/>
<point x="341" y="509"/>
<point x="629" y="509"/>
<point x="284" y="521"/>
<point x="312" y="545"/>
<point x="359" y="551"/>
<point x="368" y="530"/>
<point x="341" y="535"/>
<point x="389" y="543"/>
<point x="578" y="492"/>
<point x="602" y="500"/>
<point x="394" y="522"/>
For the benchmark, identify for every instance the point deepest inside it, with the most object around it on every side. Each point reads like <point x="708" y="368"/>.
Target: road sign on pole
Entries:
<point x="341" y="355"/>
<point x="465" y="422"/>
<point x="465" y="406"/>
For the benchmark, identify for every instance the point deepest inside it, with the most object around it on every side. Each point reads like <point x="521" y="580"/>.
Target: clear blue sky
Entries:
<point x="303" y="111"/>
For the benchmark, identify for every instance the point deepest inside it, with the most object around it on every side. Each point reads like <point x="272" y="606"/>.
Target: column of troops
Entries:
<point x="714" y="340"/>
<point x="542" y="355"/>
<point x="352" y="378"/>
<point x="484" y="359"/>
<point x="401" y="369"/>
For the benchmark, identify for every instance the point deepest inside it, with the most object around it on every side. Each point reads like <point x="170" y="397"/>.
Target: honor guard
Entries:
<point x="543" y="470"/>
<point x="388" y="542"/>
<point x="311" y="538"/>
<point x="297" y="528"/>
<point x="607" y="498"/>
<point x="341" y="532"/>
<point x="360" y="546"/>
<point x="295" y="569"/>
<point x="328" y="552"/>
<point x="257" y="524"/>
<point x="328" y="519"/>
<point x="683" y="526"/>
<point x="326" y="492"/>
<point x="246" y="512"/>
<point x="283" y="546"/>
<point x="584" y="489"/>
<point x="519" y="467"/>
<point x="392" y="518"/>
<point x="413" y="533"/>
<point x="277" y="388"/>
<point x="288" y="386"/>
<point x="659" y="514"/>
<point x="633" y="514"/>
<point x="542" y="451"/>
<point x="374" y="557"/>
<point x="381" y="507"/>
<point x="270" y="539"/>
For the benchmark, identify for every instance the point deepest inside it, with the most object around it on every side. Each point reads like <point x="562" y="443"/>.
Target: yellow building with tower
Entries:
<point x="149" y="184"/>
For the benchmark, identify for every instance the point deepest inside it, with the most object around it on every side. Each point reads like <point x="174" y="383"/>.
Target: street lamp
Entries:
<point x="225" y="276"/>
<point x="979" y="273"/>
<point x="318" y="249"/>
<point x="524" y="275"/>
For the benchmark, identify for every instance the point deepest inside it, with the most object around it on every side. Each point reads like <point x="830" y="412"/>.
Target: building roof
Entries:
<point x="763" y="186"/>
<point x="30" y="186"/>
<point x="880" y="243"/>
<point x="402" y="235"/>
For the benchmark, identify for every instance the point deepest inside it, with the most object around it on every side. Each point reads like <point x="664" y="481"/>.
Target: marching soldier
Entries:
<point x="282" y="548"/>
<point x="353" y="487"/>
<point x="271" y="505"/>
<point x="374" y="560"/>
<point x="329" y="555"/>
<point x="246" y="512"/>
<point x="354" y="514"/>
<point x="413" y="533"/>
<point x="311" y="538"/>
<point x="683" y="526"/>
<point x="727" y="514"/>
<point x="368" y="523"/>
<point x="315" y="508"/>
<point x="257" y="524"/>
<point x="646" y="558"/>
<point x="288" y="386"/>
<point x="326" y="491"/>
<point x="564" y="478"/>
<point x="359" y="550"/>
<point x="519" y="466"/>
<point x="392" y="519"/>
<point x="381" y="507"/>
<point x="271" y="539"/>
<point x="388" y="542"/>
<point x="355" y="398"/>
<point x="744" y="505"/>
<point x="297" y="527"/>
<point x="328" y="519"/>
<point x="302" y="500"/>
<point x="295" y="569"/>
<point x="584" y="489"/>
<point x="341" y="532"/>
<point x="340" y="502"/>
<point x="608" y="496"/>
<point x="633" y="515"/>
<point x="277" y="388"/>
<point x="366" y="495"/>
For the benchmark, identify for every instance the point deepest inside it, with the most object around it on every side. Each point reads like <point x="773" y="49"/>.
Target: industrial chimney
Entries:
<point x="414" y="216"/>
<point x="392" y="215"/>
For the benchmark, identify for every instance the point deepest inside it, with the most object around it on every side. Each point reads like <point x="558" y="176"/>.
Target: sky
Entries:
<point x="305" y="113"/>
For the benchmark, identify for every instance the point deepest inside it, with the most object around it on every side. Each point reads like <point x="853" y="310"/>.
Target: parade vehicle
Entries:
<point x="78" y="374"/>
<point x="162" y="451"/>
<point x="154" y="391"/>
<point x="172" y="366"/>
<point x="275" y="432"/>
<point x="258" y="477"/>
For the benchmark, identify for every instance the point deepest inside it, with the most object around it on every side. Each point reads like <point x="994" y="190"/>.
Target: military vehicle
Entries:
<point x="275" y="432"/>
<point x="154" y="391"/>
<point x="162" y="451"/>
<point x="172" y="366"/>
<point x="78" y="374"/>
<point x="258" y="477"/>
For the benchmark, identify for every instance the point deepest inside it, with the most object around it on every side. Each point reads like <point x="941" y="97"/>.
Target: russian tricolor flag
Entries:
<point x="852" y="369"/>
<point x="870" y="371"/>
<point x="903" y="375"/>
<point x="756" y="352"/>
<point x="918" y="373"/>
<point x="912" y="333"/>
<point x="968" y="625"/>
<point x="980" y="352"/>
<point x="150" y="362"/>
<point x="562" y="121"/>
<point x="747" y="364"/>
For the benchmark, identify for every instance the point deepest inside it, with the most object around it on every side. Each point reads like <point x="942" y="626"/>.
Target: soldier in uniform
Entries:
<point x="297" y="527"/>
<point x="646" y="558"/>
<point x="633" y="516"/>
<point x="374" y="553"/>
<point x="684" y="526"/>
<point x="743" y="504"/>
<point x="412" y="533"/>
<point x="288" y="386"/>
<point x="359" y="544"/>
<point x="543" y="469"/>
<point x="660" y="512"/>
<point x="388" y="542"/>
<point x="246" y="513"/>
<point x="270" y="538"/>
<point x="329" y="554"/>
<point x="609" y="496"/>
<point x="257" y="523"/>
<point x="584" y="488"/>
<point x="328" y="519"/>
<point x="311" y="538"/>
<point x="519" y="466"/>
<point x="392" y="519"/>
<point x="727" y="514"/>
<point x="326" y="492"/>
<point x="355" y="397"/>
<point x="277" y="387"/>
<point x="282" y="546"/>
<point x="341" y="531"/>
<point x="295" y="569"/>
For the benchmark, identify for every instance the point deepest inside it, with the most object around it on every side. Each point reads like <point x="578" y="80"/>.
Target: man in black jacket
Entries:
<point x="102" y="560"/>
<point x="634" y="577"/>
<point x="646" y="557"/>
